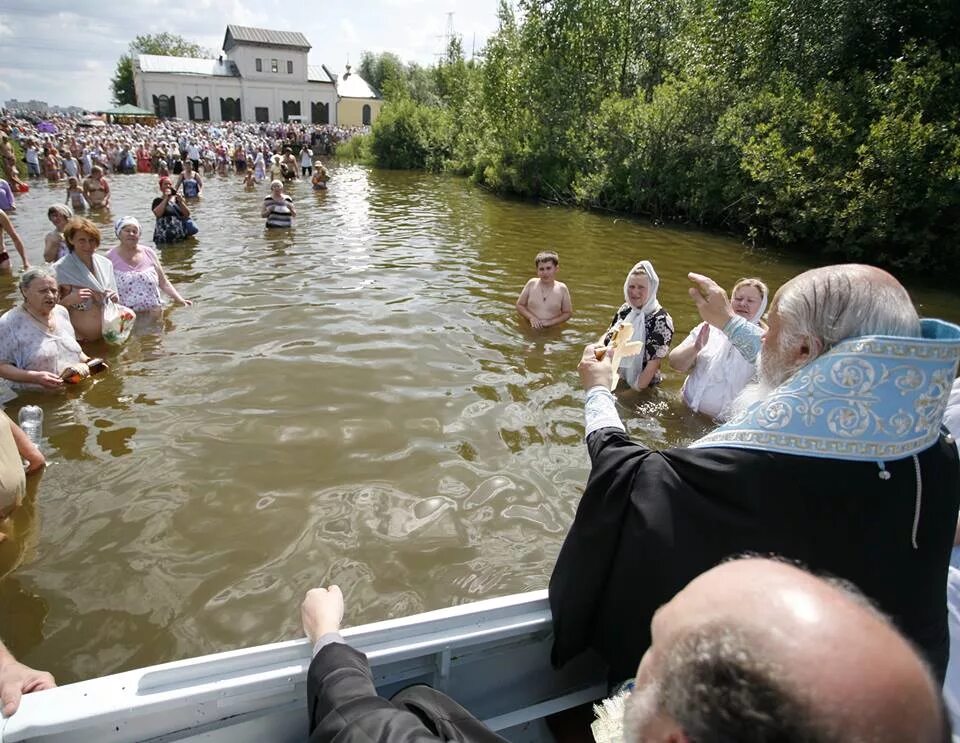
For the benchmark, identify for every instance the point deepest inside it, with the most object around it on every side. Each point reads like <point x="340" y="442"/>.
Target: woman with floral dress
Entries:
<point x="652" y="325"/>
<point x="140" y="277"/>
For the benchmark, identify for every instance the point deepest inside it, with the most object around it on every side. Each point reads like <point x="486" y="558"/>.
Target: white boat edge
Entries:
<point x="259" y="693"/>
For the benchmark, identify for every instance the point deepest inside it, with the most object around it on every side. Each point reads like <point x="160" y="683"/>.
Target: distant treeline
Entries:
<point x="831" y="126"/>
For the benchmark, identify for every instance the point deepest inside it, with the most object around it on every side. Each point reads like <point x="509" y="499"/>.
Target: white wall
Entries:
<point x="272" y="96"/>
<point x="245" y="58"/>
<point x="252" y="93"/>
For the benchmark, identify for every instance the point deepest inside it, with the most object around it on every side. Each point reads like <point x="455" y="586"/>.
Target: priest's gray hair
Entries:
<point x="822" y="307"/>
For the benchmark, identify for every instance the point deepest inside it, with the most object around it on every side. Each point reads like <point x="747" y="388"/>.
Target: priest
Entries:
<point x="835" y="459"/>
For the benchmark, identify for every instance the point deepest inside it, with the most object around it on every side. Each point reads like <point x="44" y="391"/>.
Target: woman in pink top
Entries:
<point x="140" y="277"/>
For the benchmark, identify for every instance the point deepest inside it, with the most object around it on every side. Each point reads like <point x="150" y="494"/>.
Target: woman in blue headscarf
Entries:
<point x="652" y="326"/>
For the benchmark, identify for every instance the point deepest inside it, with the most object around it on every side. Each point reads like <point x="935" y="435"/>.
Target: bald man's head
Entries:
<point x="757" y="650"/>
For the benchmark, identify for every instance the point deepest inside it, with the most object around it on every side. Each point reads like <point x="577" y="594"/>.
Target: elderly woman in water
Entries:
<point x="717" y="370"/>
<point x="38" y="347"/>
<point x="651" y="323"/>
<point x="140" y="277"/>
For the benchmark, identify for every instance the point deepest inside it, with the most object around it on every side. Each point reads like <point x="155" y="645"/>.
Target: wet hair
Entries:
<point x="276" y="184"/>
<point x="546" y="255"/>
<point x="34" y="272"/>
<point x="80" y="224"/>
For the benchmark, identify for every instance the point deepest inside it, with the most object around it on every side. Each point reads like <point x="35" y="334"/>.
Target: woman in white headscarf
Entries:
<point x="139" y="275"/>
<point x="718" y="371"/>
<point x="652" y="325"/>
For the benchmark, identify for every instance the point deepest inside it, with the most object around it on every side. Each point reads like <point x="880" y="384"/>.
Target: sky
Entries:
<point x="64" y="52"/>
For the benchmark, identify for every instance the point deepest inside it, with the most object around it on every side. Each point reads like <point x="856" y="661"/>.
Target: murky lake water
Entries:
<point x="353" y="401"/>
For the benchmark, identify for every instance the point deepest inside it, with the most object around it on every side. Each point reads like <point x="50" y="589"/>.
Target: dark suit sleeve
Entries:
<point x="344" y="704"/>
<point x="580" y="575"/>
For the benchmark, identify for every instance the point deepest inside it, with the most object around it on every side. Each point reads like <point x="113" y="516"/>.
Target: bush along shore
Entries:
<point x="831" y="127"/>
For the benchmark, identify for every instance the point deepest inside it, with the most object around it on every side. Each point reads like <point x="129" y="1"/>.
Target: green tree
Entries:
<point x="829" y="126"/>
<point x="162" y="44"/>
<point x="386" y="73"/>
<point x="121" y="84"/>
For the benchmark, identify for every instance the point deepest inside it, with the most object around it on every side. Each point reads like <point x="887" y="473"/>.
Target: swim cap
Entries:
<point x="123" y="222"/>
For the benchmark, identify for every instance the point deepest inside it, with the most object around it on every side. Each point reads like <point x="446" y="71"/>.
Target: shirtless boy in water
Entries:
<point x="545" y="301"/>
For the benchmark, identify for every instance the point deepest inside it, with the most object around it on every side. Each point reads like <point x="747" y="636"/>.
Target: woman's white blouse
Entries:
<point x="719" y="375"/>
<point x="26" y="344"/>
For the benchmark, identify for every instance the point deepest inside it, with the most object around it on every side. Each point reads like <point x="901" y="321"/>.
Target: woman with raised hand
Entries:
<point x="718" y="372"/>
<point x="173" y="216"/>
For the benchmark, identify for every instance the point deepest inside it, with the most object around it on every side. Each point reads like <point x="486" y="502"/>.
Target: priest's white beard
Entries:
<point x="641" y="712"/>
<point x="772" y="371"/>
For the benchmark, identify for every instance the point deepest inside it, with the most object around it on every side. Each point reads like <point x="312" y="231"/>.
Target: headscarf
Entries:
<point x="763" y="298"/>
<point x="124" y="221"/>
<point x="631" y="366"/>
<point x="61" y="209"/>
<point x="651" y="305"/>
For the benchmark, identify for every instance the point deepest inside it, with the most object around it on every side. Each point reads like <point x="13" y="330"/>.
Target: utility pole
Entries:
<point x="447" y="37"/>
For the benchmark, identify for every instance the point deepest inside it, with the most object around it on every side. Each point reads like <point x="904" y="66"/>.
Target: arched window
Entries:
<point x="319" y="113"/>
<point x="198" y="109"/>
<point x="165" y="106"/>
<point x="290" y="108"/>
<point x="366" y="114"/>
<point x="230" y="109"/>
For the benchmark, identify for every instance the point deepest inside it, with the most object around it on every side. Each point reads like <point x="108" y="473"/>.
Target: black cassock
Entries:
<point x="651" y="521"/>
<point x="343" y="705"/>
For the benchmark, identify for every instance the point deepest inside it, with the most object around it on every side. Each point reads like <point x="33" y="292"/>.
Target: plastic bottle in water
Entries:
<point x="31" y="421"/>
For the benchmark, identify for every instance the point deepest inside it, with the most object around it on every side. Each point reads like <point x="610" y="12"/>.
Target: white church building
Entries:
<point x="262" y="75"/>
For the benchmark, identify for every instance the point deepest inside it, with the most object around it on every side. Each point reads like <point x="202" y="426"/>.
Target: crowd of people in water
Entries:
<point x="828" y="451"/>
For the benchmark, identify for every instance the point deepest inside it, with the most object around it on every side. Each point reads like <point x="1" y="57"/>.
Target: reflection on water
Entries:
<point x="353" y="401"/>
